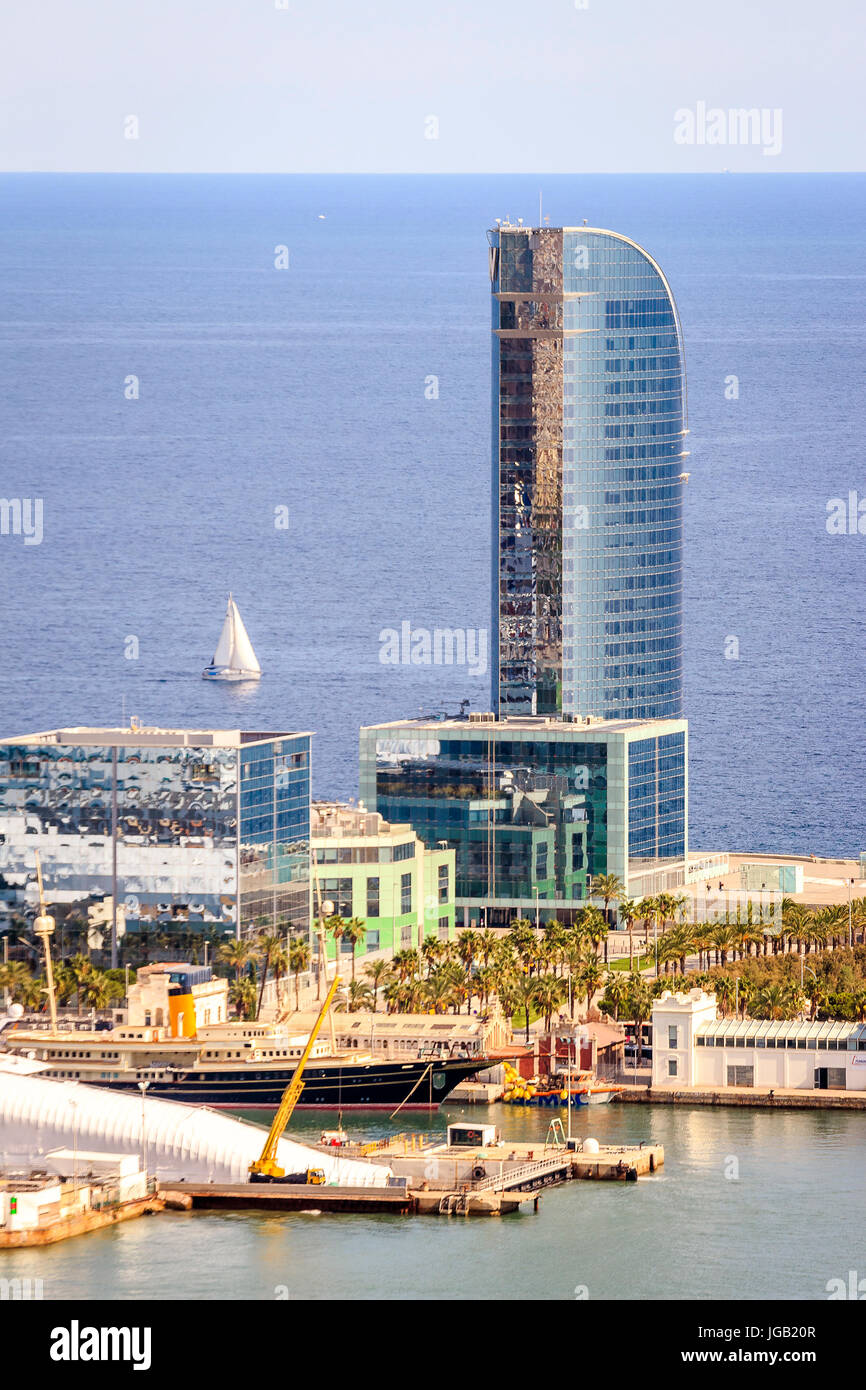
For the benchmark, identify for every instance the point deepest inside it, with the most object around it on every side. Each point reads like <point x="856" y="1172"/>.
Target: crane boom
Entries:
<point x="266" y="1165"/>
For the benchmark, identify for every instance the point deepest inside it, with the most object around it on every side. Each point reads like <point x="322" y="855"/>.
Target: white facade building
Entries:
<point x="691" y="1047"/>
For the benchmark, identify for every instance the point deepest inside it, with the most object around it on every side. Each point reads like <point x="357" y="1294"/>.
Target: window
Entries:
<point x="673" y="1035"/>
<point x="741" y="1076"/>
<point x="339" y="890"/>
<point x="372" y="897"/>
<point x="406" y="851"/>
<point x="672" y="1066"/>
<point x="371" y="940"/>
<point x="443" y="883"/>
<point x="443" y="928"/>
<point x="405" y="894"/>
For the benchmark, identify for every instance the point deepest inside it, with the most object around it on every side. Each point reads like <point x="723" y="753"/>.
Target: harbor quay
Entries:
<point x="475" y="1172"/>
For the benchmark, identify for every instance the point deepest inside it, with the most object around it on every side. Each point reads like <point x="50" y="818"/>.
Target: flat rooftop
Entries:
<point x="142" y="736"/>
<point x="534" y="723"/>
<point x="826" y="882"/>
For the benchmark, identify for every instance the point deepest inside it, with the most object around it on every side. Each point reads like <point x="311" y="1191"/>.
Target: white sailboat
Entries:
<point x="234" y="658"/>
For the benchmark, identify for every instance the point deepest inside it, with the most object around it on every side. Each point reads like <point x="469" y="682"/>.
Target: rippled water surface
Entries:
<point x="305" y="388"/>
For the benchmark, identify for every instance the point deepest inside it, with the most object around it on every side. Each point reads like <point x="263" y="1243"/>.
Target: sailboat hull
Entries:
<point x="229" y="673"/>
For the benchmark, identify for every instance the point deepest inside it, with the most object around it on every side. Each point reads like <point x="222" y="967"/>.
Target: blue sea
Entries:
<point x="309" y="389"/>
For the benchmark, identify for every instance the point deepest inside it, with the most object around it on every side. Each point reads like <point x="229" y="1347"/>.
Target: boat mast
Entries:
<point x="43" y="927"/>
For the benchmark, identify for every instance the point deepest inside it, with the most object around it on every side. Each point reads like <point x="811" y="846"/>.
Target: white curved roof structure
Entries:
<point x="181" y="1141"/>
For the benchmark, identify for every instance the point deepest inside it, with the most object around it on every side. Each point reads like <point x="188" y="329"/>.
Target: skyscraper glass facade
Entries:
<point x="588" y="426"/>
<point x="199" y="831"/>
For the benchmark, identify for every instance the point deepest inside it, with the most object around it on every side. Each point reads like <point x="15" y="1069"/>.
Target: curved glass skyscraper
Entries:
<point x="589" y="419"/>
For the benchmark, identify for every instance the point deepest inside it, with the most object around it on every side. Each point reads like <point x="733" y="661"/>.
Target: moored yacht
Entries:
<point x="178" y="1045"/>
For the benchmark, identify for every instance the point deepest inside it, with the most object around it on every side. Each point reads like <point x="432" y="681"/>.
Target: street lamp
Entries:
<point x="850" y="937"/>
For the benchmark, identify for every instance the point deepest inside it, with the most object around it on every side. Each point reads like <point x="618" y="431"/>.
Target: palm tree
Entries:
<point x="432" y="950"/>
<point x="405" y="963"/>
<point x="616" y="992"/>
<point x="776" y="1001"/>
<point x="299" y="961"/>
<point x="279" y="968"/>
<point x="15" y="977"/>
<point x="439" y="991"/>
<point x="487" y="943"/>
<point x="549" y="994"/>
<point x="377" y="972"/>
<point x="335" y="925"/>
<point x="589" y="981"/>
<point x="610" y="888"/>
<point x="264" y="947"/>
<point x="595" y="926"/>
<point x="628" y="912"/>
<point x="640" y="1007"/>
<point x="236" y="953"/>
<point x="359" y="995"/>
<point x="99" y="991"/>
<point x="523" y="996"/>
<point x="354" y="931"/>
<point x="646" y="911"/>
<point x="724" y="988"/>
<point x="468" y="946"/>
<point x="242" y="995"/>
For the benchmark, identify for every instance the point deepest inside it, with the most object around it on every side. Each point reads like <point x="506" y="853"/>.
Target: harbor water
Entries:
<point x="749" y="1205"/>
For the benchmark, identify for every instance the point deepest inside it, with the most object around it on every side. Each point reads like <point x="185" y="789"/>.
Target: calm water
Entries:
<point x="791" y="1221"/>
<point x="305" y="388"/>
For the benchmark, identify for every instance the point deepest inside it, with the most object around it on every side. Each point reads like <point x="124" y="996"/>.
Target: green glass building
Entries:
<point x="533" y="807"/>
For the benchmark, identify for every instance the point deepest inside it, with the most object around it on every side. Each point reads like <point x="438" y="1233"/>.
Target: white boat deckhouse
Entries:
<point x="234" y="658"/>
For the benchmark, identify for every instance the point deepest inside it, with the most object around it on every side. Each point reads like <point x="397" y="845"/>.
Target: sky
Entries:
<point x="431" y="86"/>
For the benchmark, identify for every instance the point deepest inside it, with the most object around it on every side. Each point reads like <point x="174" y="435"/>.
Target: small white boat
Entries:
<point x="234" y="658"/>
<point x="597" y="1094"/>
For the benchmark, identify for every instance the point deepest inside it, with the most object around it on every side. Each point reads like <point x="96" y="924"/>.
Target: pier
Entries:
<point x="437" y="1179"/>
<point x="279" y="1196"/>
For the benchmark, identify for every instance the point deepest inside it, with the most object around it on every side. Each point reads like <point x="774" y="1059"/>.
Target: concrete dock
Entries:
<point x="79" y="1224"/>
<point x="439" y="1180"/>
<point x="258" y="1196"/>
<point x="745" y="1097"/>
<point x="507" y="1166"/>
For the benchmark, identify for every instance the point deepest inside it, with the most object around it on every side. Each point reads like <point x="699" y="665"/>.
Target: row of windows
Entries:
<point x="793" y="1044"/>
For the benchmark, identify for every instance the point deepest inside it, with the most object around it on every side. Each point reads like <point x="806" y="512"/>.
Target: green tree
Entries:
<point x="242" y="996"/>
<point x="237" y="954"/>
<point x="299" y="961"/>
<point x="354" y="931"/>
<point x="265" y="947"/>
<point x="377" y="972"/>
<point x="549" y="994"/>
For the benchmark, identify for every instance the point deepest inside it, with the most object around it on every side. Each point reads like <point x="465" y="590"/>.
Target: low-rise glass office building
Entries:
<point x="534" y="807"/>
<point x="187" y="829"/>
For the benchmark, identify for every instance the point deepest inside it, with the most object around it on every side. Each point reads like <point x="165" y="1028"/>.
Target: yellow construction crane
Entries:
<point x="266" y="1166"/>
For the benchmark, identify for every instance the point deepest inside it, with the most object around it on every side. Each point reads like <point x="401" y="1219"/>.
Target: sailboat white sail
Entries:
<point x="234" y="658"/>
